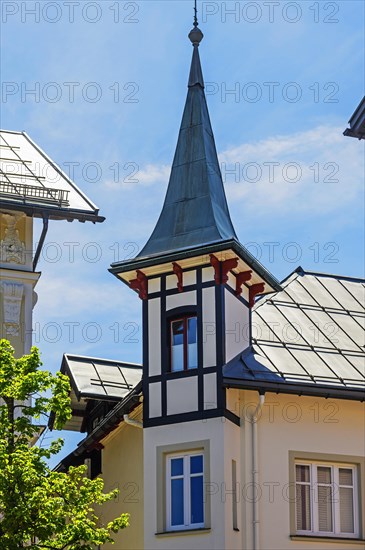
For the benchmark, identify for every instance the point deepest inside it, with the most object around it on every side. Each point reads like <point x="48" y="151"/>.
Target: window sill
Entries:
<point x="201" y="531"/>
<point x="316" y="538"/>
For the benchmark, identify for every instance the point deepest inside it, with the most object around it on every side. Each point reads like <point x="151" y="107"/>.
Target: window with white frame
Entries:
<point x="326" y="499"/>
<point x="184" y="491"/>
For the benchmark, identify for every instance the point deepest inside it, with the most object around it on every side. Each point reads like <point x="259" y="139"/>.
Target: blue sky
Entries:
<point x="109" y="84"/>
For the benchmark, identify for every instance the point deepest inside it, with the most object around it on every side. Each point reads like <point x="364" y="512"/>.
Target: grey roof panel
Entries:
<point x="342" y="291"/>
<point x="101" y="378"/>
<point x="319" y="343"/>
<point x="357" y="292"/>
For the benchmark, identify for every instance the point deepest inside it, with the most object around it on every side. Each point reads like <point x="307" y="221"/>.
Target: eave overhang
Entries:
<point x="110" y="422"/>
<point x="318" y="390"/>
<point x="53" y="213"/>
<point x="357" y="122"/>
<point x="161" y="263"/>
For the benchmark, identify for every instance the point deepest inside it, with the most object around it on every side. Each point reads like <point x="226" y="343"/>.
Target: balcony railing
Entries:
<point x="34" y="193"/>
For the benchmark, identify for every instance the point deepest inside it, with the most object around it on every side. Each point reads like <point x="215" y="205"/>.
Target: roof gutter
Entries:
<point x="353" y="394"/>
<point x="134" y="423"/>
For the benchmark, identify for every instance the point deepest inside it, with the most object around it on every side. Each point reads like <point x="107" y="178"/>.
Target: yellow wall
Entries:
<point x="122" y="468"/>
<point x="292" y="423"/>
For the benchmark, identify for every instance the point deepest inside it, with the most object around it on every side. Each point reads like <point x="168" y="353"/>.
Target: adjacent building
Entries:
<point x="31" y="186"/>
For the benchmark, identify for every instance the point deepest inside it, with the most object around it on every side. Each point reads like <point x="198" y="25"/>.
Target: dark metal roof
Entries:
<point x="308" y="338"/>
<point x="195" y="211"/>
<point x="357" y="122"/>
<point x="32" y="183"/>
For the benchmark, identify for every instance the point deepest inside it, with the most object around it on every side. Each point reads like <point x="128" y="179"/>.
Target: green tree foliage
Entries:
<point x="40" y="508"/>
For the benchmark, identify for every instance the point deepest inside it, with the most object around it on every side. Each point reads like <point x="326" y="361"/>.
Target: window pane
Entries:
<point x="197" y="508"/>
<point x="177" y="467"/>
<point x="196" y="464"/>
<point x="177" y="333"/>
<point x="192" y="330"/>
<point x="177" y="501"/>
<point x="347" y="509"/>
<point x="323" y="474"/>
<point x="345" y="476"/>
<point x="192" y="343"/>
<point x="177" y="351"/>
<point x="303" y="507"/>
<point x="302" y="473"/>
<point x="324" y="508"/>
<point x="192" y="356"/>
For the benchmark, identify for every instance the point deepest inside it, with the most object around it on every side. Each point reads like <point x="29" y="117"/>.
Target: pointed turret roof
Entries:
<point x="194" y="221"/>
<point x="195" y="211"/>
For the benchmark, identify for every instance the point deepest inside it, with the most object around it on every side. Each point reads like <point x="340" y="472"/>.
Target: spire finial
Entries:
<point x="195" y="14"/>
<point x="196" y="35"/>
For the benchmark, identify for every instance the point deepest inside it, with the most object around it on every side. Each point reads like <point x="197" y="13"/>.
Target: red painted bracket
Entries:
<point x="221" y="269"/>
<point x="254" y="290"/>
<point x="217" y="268"/>
<point x="241" y="278"/>
<point x="140" y="284"/>
<point x="179" y="274"/>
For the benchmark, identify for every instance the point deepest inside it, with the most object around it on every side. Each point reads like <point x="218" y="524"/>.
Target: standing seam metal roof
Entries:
<point x="310" y="333"/>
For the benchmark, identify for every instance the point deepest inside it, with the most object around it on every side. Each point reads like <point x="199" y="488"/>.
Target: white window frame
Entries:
<point x="187" y="492"/>
<point x="336" y="519"/>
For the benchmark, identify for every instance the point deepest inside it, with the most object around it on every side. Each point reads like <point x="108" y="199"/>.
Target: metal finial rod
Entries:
<point x="195" y="14"/>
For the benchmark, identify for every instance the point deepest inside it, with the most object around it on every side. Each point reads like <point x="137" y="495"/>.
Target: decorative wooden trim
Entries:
<point x="140" y="284"/>
<point x="241" y="278"/>
<point x="179" y="274"/>
<point x="254" y="290"/>
<point x="217" y="268"/>
<point x="227" y="265"/>
<point x="221" y="269"/>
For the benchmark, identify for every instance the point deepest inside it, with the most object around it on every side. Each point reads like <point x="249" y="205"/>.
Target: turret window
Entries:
<point x="184" y="353"/>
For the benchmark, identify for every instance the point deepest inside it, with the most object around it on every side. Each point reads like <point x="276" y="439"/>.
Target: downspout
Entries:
<point x="41" y="241"/>
<point x="131" y="422"/>
<point x="255" y="472"/>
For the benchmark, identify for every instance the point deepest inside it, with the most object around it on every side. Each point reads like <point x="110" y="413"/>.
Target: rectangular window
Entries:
<point x="185" y="484"/>
<point x="184" y="354"/>
<point x="326" y="499"/>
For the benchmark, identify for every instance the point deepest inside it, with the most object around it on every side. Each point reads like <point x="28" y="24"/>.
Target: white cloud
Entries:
<point x="310" y="172"/>
<point x="135" y="176"/>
